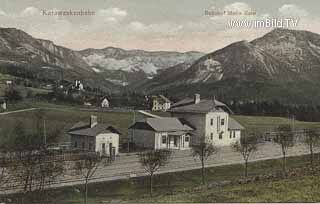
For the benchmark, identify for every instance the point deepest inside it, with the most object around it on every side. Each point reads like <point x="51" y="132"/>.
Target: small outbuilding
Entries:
<point x="95" y="137"/>
<point x="105" y="103"/>
<point x="3" y="104"/>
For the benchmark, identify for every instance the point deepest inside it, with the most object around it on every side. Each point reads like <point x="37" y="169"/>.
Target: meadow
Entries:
<point x="62" y="117"/>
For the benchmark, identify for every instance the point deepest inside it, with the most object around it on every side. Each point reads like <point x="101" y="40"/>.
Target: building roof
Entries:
<point x="162" y="98"/>
<point x="234" y="125"/>
<point x="84" y="129"/>
<point x="204" y="106"/>
<point x="164" y="124"/>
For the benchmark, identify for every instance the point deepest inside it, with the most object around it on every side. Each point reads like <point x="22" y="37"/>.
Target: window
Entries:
<point x="211" y="121"/>
<point x="234" y="134"/>
<point x="220" y="135"/>
<point x="187" y="138"/>
<point x="90" y="146"/>
<point x="75" y="144"/>
<point x="164" y="140"/>
<point x="230" y="134"/>
<point x="211" y="136"/>
<point x="222" y="121"/>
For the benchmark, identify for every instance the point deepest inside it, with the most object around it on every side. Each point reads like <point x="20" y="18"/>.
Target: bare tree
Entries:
<point x="247" y="146"/>
<point x="285" y="138"/>
<point x="33" y="166"/>
<point x="151" y="161"/>
<point x="25" y="148"/>
<point x="4" y="173"/>
<point x="49" y="169"/>
<point x="312" y="140"/>
<point x="203" y="151"/>
<point x="87" y="167"/>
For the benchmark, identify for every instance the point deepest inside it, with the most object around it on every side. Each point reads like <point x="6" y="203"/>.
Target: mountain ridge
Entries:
<point x="261" y="61"/>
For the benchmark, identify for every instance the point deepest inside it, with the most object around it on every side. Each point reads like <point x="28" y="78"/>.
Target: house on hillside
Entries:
<point x="3" y="104"/>
<point x="9" y="82"/>
<point x="160" y="103"/>
<point x="161" y="133"/>
<point x="78" y="85"/>
<point x="210" y="119"/>
<point x="105" y="103"/>
<point x="95" y="137"/>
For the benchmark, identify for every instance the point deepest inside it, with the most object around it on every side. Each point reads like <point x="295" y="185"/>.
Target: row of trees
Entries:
<point x="246" y="147"/>
<point x="305" y="112"/>
<point x="33" y="166"/>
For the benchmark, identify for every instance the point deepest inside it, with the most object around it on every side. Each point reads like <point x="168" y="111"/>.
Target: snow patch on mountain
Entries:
<point x="117" y="82"/>
<point x="128" y="64"/>
<point x="96" y="70"/>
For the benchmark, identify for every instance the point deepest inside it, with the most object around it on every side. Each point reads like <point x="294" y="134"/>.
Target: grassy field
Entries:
<point x="301" y="189"/>
<point x="186" y="187"/>
<point x="64" y="116"/>
<point x="263" y="123"/>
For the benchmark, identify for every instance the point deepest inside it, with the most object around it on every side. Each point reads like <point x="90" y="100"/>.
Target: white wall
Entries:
<point x="3" y="106"/>
<point x="218" y="128"/>
<point x="107" y="138"/>
<point x="159" y="145"/>
<point x="202" y="123"/>
<point x="160" y="106"/>
<point x="158" y="140"/>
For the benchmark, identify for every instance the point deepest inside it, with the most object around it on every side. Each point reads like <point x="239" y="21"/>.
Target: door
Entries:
<point x="113" y="153"/>
<point x="175" y="142"/>
<point x="110" y="150"/>
<point x="103" y="148"/>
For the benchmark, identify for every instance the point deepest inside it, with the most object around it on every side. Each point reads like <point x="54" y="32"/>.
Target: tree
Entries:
<point x="247" y="146"/>
<point x="4" y="173"/>
<point x="12" y="94"/>
<point x="151" y="161"/>
<point x="312" y="140"/>
<point x="87" y="167"/>
<point x="32" y="166"/>
<point x="285" y="138"/>
<point x="25" y="147"/>
<point x="48" y="169"/>
<point x="203" y="151"/>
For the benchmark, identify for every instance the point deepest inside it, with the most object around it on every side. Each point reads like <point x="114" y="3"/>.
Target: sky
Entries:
<point x="170" y="25"/>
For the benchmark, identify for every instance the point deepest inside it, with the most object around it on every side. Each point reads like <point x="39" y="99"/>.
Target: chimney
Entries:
<point x="93" y="121"/>
<point x="196" y="98"/>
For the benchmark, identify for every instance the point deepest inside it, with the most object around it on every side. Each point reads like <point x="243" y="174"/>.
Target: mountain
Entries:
<point x="131" y="66"/>
<point x="283" y="65"/>
<point x="108" y="69"/>
<point x="23" y="55"/>
<point x="299" y="50"/>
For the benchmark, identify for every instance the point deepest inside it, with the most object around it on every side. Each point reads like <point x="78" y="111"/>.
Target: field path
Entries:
<point x="19" y="111"/>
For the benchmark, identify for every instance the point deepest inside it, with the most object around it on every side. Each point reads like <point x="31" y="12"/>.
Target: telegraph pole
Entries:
<point x="134" y="120"/>
<point x="44" y="133"/>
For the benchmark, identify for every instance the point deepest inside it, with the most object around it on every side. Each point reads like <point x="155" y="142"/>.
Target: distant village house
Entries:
<point x="105" y="103"/>
<point x="9" y="82"/>
<point x="79" y="85"/>
<point x="160" y="103"/>
<point x="3" y="104"/>
<point x="94" y="136"/>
